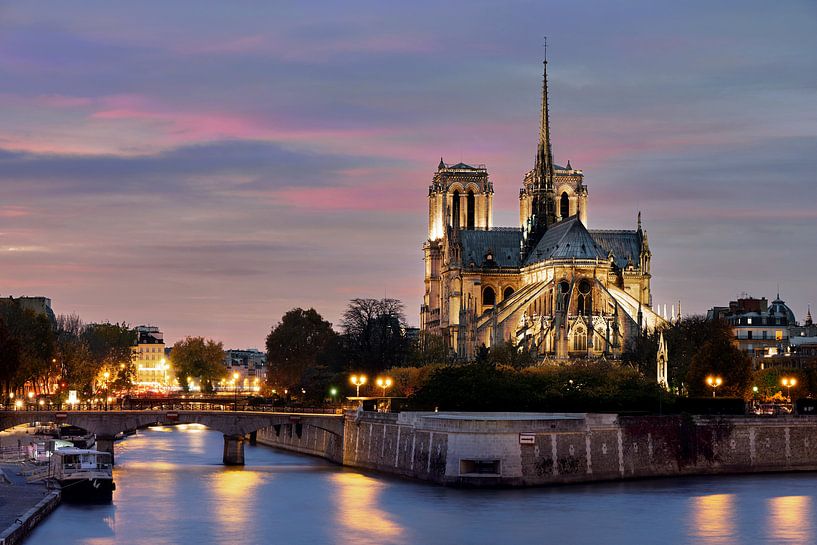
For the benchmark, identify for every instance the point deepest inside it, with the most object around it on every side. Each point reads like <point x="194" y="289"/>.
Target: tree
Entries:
<point x="721" y="358"/>
<point x="374" y="334"/>
<point x="297" y="344"/>
<point x="200" y="359"/>
<point x="686" y="339"/>
<point x="35" y="337"/>
<point x="75" y="365"/>
<point x="109" y="344"/>
<point x="9" y="358"/>
<point x="508" y="354"/>
<point x="429" y="349"/>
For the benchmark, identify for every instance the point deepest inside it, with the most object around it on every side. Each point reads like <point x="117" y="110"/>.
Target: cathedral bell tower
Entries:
<point x="460" y="198"/>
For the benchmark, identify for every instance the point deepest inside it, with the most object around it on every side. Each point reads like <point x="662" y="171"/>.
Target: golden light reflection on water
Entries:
<point x="713" y="519"/>
<point x="790" y="520"/>
<point x="233" y="490"/>
<point x="359" y="517"/>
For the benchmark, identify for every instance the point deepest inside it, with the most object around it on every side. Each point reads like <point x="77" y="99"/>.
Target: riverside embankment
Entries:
<point x="530" y="449"/>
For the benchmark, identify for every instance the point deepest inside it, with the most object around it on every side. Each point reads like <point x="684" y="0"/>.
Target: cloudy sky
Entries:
<point x="205" y="166"/>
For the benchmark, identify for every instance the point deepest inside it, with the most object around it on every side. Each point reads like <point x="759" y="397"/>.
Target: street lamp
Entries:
<point x="333" y="392"/>
<point x="714" y="382"/>
<point x="788" y="383"/>
<point x="384" y="383"/>
<point x="106" y="375"/>
<point x="235" y="390"/>
<point x="358" y="381"/>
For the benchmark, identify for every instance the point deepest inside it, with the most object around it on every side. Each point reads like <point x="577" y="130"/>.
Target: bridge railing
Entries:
<point x="162" y="404"/>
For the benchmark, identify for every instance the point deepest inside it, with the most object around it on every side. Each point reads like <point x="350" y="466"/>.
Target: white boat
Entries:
<point x="82" y="475"/>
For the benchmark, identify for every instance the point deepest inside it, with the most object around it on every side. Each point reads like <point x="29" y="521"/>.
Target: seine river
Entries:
<point x="172" y="489"/>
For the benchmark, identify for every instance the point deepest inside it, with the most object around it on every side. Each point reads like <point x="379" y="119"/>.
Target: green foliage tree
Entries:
<point x="508" y="354"/>
<point x="686" y="340"/>
<point x="35" y="337"/>
<point x="9" y="358"/>
<point x="429" y="349"/>
<point x="75" y="364"/>
<point x="374" y="334"/>
<point x="109" y="344"/>
<point x="578" y="387"/>
<point x="769" y="382"/>
<point x="297" y="346"/>
<point x="719" y="357"/>
<point x="199" y="358"/>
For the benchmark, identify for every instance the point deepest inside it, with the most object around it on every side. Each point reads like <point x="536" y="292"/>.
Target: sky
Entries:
<point x="206" y="166"/>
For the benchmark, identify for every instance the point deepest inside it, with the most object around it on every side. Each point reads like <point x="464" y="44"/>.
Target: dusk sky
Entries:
<point x="206" y="166"/>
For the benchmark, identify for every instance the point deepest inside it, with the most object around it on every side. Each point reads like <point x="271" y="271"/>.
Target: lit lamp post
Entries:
<point x="714" y="382"/>
<point x="384" y="383"/>
<point x="333" y="392"/>
<point x="788" y="383"/>
<point x="235" y="390"/>
<point x="106" y="375"/>
<point x="358" y="381"/>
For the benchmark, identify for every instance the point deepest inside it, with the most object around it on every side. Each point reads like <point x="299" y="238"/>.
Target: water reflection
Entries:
<point x="712" y="519"/>
<point x="790" y="520"/>
<point x="360" y="519"/>
<point x="233" y="494"/>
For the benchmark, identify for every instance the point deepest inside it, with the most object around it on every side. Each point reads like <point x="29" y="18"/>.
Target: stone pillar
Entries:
<point x="233" y="450"/>
<point x="104" y="443"/>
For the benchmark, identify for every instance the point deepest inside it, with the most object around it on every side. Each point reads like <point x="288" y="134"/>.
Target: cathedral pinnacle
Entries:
<point x="544" y="157"/>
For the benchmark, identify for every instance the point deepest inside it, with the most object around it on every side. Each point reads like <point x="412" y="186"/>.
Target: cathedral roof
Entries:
<point x="624" y="245"/>
<point x="567" y="239"/>
<point x="503" y="244"/>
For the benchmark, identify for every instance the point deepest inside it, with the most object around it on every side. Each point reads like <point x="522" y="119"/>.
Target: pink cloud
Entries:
<point x="383" y="198"/>
<point x="14" y="212"/>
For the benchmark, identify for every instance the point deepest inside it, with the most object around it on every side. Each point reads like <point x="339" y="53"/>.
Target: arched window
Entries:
<point x="455" y="210"/>
<point x="564" y="206"/>
<point x="470" y="203"/>
<point x="561" y="296"/>
<point x="580" y="340"/>
<point x="488" y="297"/>
<point x="585" y="298"/>
<point x="507" y="293"/>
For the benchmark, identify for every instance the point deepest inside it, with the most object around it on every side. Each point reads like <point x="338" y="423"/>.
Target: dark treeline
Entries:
<point x="50" y="357"/>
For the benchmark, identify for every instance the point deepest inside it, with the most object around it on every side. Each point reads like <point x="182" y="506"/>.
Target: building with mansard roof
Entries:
<point x="551" y="286"/>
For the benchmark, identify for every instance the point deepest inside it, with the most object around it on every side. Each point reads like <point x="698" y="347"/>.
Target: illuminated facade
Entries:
<point x="251" y="367"/>
<point x="148" y="356"/>
<point x="551" y="286"/>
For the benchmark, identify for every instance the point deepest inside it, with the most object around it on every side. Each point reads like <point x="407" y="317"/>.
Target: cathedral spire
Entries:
<point x="544" y="157"/>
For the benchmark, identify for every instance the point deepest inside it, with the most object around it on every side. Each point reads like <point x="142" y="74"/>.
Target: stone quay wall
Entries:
<point x="304" y="439"/>
<point x="530" y="449"/>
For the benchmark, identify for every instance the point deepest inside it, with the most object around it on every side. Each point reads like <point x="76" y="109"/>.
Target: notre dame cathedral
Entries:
<point x="551" y="286"/>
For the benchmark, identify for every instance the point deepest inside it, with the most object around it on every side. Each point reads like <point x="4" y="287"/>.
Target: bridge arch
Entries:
<point x="235" y="426"/>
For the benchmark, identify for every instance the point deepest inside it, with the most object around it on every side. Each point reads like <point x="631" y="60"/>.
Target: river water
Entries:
<point x="172" y="489"/>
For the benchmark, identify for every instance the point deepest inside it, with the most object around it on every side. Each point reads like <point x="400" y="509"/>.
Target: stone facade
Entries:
<point x="551" y="286"/>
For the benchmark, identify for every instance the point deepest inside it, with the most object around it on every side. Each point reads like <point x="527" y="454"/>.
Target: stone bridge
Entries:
<point x="235" y="425"/>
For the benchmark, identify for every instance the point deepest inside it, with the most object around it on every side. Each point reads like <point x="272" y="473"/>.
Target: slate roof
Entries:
<point x="504" y="243"/>
<point x="567" y="239"/>
<point x="624" y="244"/>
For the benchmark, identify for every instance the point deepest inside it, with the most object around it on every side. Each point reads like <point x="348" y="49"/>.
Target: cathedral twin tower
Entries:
<point x="549" y="286"/>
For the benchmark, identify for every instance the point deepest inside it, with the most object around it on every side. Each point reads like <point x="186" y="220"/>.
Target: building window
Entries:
<point x="561" y="296"/>
<point x="580" y="340"/>
<point x="564" y="205"/>
<point x="764" y="335"/>
<point x="455" y="210"/>
<point x="470" y="205"/>
<point x="507" y="293"/>
<point x="749" y="321"/>
<point x="749" y="335"/>
<point x="585" y="298"/>
<point x="488" y="297"/>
